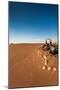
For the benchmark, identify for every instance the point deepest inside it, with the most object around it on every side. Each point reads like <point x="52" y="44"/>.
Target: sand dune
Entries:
<point x="27" y="66"/>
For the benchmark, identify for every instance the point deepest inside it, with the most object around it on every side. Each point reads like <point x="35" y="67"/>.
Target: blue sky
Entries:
<point x="32" y="23"/>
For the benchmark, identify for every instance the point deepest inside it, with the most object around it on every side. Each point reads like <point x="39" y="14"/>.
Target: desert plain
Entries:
<point x="27" y="66"/>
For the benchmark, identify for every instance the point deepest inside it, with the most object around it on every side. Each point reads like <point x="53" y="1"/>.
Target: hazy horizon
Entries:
<point x="32" y="23"/>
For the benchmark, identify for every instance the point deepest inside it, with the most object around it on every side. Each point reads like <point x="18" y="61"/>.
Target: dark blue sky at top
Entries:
<point x="29" y="22"/>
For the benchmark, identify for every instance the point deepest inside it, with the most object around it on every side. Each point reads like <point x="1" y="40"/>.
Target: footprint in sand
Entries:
<point x="49" y="68"/>
<point x="54" y="69"/>
<point x="45" y="60"/>
<point x="43" y="68"/>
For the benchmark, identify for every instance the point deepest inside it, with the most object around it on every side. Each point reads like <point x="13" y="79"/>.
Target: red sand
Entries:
<point x="25" y="66"/>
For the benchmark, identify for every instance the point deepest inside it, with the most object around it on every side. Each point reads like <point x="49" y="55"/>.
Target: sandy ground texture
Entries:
<point x="30" y="65"/>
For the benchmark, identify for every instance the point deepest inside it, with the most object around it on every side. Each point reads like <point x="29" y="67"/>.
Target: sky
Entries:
<point x="32" y="23"/>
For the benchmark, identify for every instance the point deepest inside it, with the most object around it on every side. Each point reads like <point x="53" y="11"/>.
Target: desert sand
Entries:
<point x="28" y="67"/>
